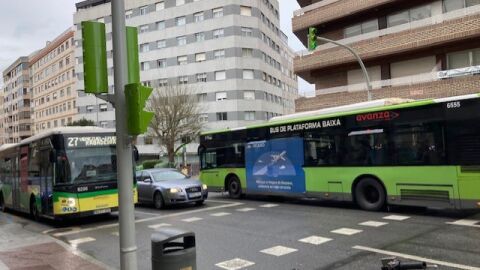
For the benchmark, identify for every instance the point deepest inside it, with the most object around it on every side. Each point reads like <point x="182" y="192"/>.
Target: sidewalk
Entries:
<point x="21" y="249"/>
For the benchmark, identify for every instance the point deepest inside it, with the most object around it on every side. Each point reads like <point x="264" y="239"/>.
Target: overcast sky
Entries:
<point x="26" y="25"/>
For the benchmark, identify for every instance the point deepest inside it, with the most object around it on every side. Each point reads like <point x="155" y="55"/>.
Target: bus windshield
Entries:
<point x="82" y="165"/>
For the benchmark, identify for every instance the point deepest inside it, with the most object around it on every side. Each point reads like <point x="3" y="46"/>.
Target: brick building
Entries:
<point x="412" y="49"/>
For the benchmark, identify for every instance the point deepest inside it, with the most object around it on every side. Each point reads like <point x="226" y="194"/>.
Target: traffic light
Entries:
<point x="312" y="38"/>
<point x="136" y="96"/>
<point x="94" y="44"/>
<point x="132" y="55"/>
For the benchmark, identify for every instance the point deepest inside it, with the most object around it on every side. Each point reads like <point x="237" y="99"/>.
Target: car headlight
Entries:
<point x="204" y="187"/>
<point x="175" y="190"/>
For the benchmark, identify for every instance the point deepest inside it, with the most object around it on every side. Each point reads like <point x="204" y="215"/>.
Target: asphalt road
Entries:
<point x="269" y="233"/>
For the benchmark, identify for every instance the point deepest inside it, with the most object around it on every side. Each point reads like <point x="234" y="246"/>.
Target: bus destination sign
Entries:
<point x="306" y="126"/>
<point x="89" y="141"/>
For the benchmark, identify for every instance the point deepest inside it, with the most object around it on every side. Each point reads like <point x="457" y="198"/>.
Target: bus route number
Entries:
<point x="72" y="142"/>
<point x="454" y="105"/>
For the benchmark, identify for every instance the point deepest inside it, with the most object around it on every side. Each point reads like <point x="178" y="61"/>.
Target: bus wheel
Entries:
<point x="2" y="203"/>
<point x="33" y="209"/>
<point x="370" y="194"/>
<point x="158" y="200"/>
<point x="234" y="187"/>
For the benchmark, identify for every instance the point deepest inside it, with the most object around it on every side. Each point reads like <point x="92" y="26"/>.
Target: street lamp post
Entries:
<point x="362" y="65"/>
<point x="128" y="247"/>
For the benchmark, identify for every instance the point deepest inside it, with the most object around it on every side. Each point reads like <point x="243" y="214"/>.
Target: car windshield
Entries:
<point x="167" y="175"/>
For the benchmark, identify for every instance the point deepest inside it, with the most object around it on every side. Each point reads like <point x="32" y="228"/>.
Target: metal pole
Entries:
<point x="350" y="49"/>
<point x="128" y="248"/>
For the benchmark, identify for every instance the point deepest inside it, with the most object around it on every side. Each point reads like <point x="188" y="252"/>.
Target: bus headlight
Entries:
<point x="204" y="187"/>
<point x="175" y="190"/>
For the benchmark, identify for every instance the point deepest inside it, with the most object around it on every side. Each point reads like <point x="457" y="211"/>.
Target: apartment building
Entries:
<point x="412" y="49"/>
<point x="16" y="96"/>
<point x="53" y="84"/>
<point x="231" y="53"/>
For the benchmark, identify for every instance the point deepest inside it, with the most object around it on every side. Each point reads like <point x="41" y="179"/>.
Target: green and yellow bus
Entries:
<point x="398" y="152"/>
<point x="67" y="172"/>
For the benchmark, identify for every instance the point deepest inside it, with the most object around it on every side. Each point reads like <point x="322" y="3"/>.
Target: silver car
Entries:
<point x="168" y="186"/>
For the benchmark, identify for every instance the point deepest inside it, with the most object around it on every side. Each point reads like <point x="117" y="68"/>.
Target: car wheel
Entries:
<point x="370" y="194"/>
<point x="34" y="210"/>
<point x="234" y="188"/>
<point x="158" y="200"/>
<point x="198" y="203"/>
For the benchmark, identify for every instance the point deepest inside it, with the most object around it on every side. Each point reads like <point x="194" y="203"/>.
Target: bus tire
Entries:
<point x="370" y="194"/>
<point x="33" y="209"/>
<point x="2" y="203"/>
<point x="234" y="187"/>
<point x="158" y="202"/>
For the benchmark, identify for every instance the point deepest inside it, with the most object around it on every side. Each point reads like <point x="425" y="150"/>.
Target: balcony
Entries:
<point x="429" y="33"/>
<point x="423" y="86"/>
<point x="329" y="10"/>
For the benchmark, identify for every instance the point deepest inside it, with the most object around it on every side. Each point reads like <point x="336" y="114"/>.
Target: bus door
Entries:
<point x="12" y="163"/>
<point x="46" y="182"/>
<point x="22" y="183"/>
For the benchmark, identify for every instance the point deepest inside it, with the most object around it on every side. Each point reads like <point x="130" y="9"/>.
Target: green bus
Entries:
<point x="66" y="172"/>
<point x="378" y="153"/>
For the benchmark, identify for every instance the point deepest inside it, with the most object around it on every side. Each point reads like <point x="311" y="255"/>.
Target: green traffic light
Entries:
<point x="136" y="96"/>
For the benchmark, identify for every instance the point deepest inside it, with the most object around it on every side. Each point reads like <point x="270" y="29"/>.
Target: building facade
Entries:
<point x="231" y="53"/>
<point x="53" y="84"/>
<point x="412" y="49"/>
<point x="16" y="97"/>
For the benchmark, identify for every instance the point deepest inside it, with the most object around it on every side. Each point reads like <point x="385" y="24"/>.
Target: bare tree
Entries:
<point x="176" y="117"/>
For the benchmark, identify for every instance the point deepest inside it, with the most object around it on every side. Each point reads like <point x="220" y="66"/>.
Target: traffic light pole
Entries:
<point x="128" y="248"/>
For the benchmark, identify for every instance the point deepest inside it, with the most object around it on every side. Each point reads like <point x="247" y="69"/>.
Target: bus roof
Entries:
<point x="66" y="130"/>
<point x="363" y="107"/>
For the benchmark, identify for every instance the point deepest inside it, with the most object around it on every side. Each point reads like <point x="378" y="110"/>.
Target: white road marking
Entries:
<point x="416" y="258"/>
<point x="269" y="205"/>
<point x="235" y="264"/>
<point x="192" y="219"/>
<point x="79" y="241"/>
<point x="220" y="214"/>
<point x="371" y="223"/>
<point x="396" y="217"/>
<point x="466" y="222"/>
<point x="3" y="266"/>
<point x="156" y="226"/>
<point x="149" y="219"/>
<point x="70" y="230"/>
<point x="315" y="240"/>
<point x="278" y="251"/>
<point x="246" y="209"/>
<point x="346" y="231"/>
<point x="147" y="213"/>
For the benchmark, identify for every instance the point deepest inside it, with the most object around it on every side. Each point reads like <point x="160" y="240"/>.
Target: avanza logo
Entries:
<point x="378" y="116"/>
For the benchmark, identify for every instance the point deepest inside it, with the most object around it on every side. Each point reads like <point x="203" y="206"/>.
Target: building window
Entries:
<point x="218" y="33"/>
<point x="161" y="44"/>
<point x="183" y="80"/>
<point x="179" y="21"/>
<point x="182" y="60"/>
<point x="410" y="15"/>
<point x="202" y="97"/>
<point x="247" y="52"/>
<point x="200" y="57"/>
<point x="145" y="66"/>
<point x="103" y="124"/>
<point x="203" y="118"/>
<point x="143" y="10"/>
<point x="201" y="77"/>
<point x="218" y="54"/>
<point x="222" y="116"/>
<point x="198" y="17"/>
<point x="103" y="107"/>
<point x="220" y="96"/>
<point x="250" y="116"/>
<point x="249" y="95"/>
<point x="247" y="32"/>
<point x="160" y="6"/>
<point x="361" y="28"/>
<point x="217" y="12"/>
<point x="144" y="47"/>
<point x="248" y="74"/>
<point x="181" y="41"/>
<point x="89" y="108"/>
<point x="451" y="5"/>
<point x="162" y="82"/>
<point x="160" y="25"/>
<point x="245" y="11"/>
<point x="220" y="75"/>
<point x="162" y="63"/>
<point x="143" y="28"/>
<point x="463" y="59"/>
<point x="128" y="14"/>
<point x="199" y="37"/>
